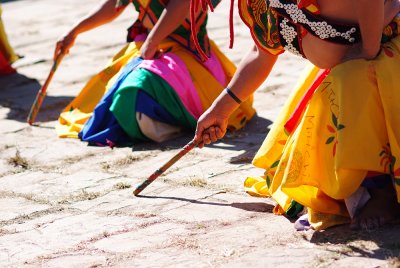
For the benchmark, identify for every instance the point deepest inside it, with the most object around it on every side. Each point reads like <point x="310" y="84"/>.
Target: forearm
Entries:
<point x="103" y="14"/>
<point x="173" y="15"/>
<point x="250" y="74"/>
<point x="370" y="14"/>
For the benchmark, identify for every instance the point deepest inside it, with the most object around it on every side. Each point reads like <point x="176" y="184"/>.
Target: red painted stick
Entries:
<point x="42" y="92"/>
<point x="188" y="147"/>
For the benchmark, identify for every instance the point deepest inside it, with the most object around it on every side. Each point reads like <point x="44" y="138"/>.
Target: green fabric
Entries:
<point x="124" y="101"/>
<point x="271" y="26"/>
<point x="155" y="6"/>
<point x="215" y="2"/>
<point x="294" y="209"/>
<point x="183" y="33"/>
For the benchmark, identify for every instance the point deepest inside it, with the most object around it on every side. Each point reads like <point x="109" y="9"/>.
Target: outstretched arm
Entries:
<point x="173" y="15"/>
<point x="251" y="73"/>
<point x="102" y="14"/>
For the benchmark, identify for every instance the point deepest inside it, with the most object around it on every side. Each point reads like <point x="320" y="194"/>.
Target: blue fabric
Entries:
<point x="380" y="181"/>
<point x="148" y="106"/>
<point x="102" y="127"/>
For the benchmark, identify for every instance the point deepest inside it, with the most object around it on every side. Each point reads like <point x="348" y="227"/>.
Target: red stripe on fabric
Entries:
<point x="295" y="117"/>
<point x="231" y="30"/>
<point x="194" y="7"/>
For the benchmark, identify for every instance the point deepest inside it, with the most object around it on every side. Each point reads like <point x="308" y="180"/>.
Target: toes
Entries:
<point x="372" y="223"/>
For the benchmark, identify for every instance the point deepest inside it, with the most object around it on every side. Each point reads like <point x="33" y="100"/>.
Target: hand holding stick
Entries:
<point x="42" y="92"/>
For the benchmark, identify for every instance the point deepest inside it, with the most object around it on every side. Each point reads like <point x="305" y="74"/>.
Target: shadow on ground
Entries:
<point x="251" y="206"/>
<point x="6" y="1"/>
<point x="248" y="139"/>
<point x="387" y="242"/>
<point x="17" y="93"/>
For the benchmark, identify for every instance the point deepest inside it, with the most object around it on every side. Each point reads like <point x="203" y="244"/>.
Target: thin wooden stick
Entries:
<point x="188" y="147"/>
<point x="42" y="92"/>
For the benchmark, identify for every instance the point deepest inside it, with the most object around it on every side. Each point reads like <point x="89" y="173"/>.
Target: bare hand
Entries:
<point x="149" y="51"/>
<point x="64" y="44"/>
<point x="358" y="52"/>
<point x="211" y="127"/>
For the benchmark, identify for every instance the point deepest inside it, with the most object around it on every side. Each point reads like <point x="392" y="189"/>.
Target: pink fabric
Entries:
<point x="215" y="68"/>
<point x="172" y="69"/>
<point x="141" y="38"/>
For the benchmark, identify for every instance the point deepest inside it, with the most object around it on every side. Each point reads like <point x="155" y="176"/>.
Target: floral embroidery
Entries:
<point x="391" y="30"/>
<point x="388" y="162"/>
<point x="295" y="167"/>
<point x="258" y="8"/>
<point x="388" y="51"/>
<point x="386" y="158"/>
<point x="333" y="129"/>
<point x="270" y="173"/>
<point x="273" y="23"/>
<point x="265" y="24"/>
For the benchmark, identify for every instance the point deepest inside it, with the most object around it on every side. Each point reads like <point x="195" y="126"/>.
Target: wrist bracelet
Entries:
<point x="233" y="96"/>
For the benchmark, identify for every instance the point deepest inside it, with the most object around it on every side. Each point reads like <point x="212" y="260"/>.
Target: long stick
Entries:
<point x="167" y="165"/>
<point x="42" y="92"/>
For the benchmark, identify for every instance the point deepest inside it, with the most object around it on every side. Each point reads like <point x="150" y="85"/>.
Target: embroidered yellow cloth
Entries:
<point x="350" y="127"/>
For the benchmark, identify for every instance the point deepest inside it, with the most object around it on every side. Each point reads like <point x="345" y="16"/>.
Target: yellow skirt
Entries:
<point x="75" y="115"/>
<point x="349" y="127"/>
<point x="5" y="47"/>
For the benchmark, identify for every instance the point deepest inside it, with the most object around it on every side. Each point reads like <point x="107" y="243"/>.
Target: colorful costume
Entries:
<point x="7" y="55"/>
<point x="337" y="127"/>
<point x="136" y="99"/>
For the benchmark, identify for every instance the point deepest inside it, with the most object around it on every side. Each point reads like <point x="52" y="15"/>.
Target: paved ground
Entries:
<point x="65" y="204"/>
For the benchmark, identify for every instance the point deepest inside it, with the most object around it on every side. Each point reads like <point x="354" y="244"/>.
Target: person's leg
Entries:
<point x="381" y="208"/>
<point x="384" y="203"/>
<point x="361" y="139"/>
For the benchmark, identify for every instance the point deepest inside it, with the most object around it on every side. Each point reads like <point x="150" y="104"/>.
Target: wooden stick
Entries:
<point x="42" y="92"/>
<point x="188" y="147"/>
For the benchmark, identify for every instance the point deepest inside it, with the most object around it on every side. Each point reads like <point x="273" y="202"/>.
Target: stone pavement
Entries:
<point x="66" y="204"/>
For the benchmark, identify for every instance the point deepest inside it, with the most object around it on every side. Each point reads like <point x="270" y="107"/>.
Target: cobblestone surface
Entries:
<point x="64" y="204"/>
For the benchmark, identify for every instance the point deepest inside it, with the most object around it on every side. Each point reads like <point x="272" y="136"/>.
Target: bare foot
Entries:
<point x="381" y="209"/>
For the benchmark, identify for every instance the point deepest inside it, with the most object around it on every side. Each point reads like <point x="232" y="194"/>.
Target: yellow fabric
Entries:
<point x="75" y="115"/>
<point x="349" y="127"/>
<point x="5" y="47"/>
<point x="208" y="88"/>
